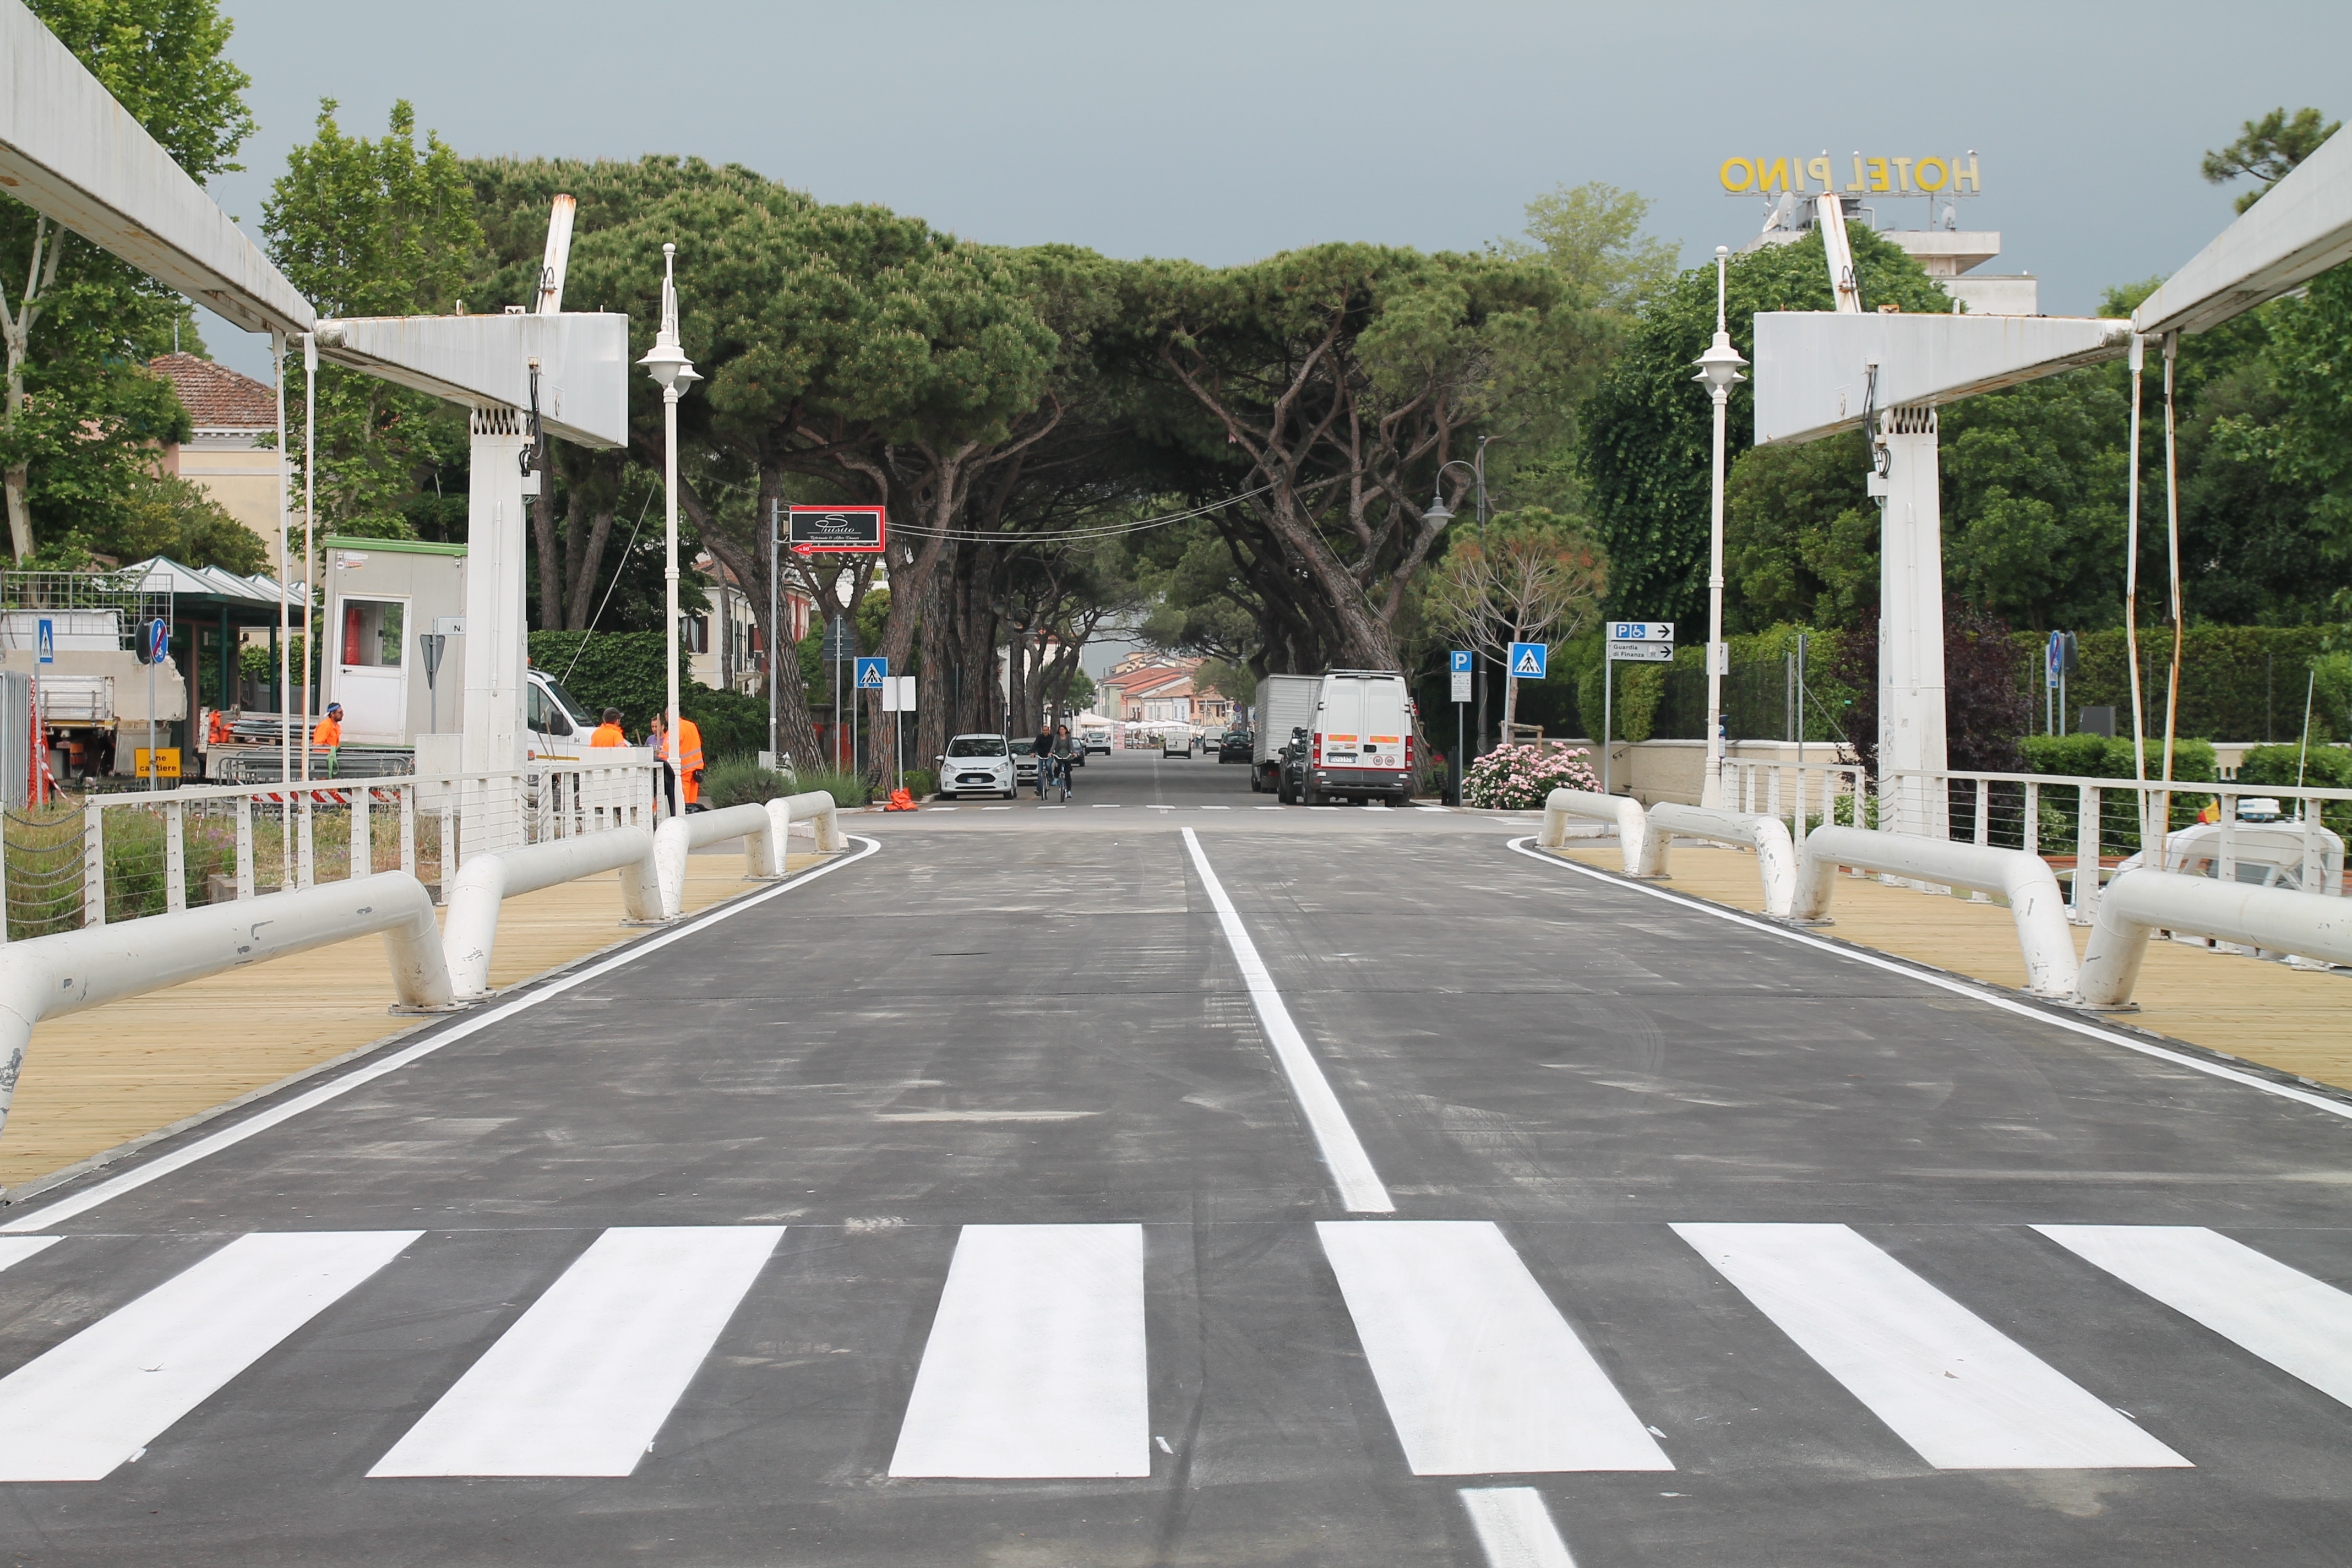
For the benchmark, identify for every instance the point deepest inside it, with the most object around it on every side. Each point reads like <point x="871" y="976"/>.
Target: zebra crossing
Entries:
<point x="1037" y="1364"/>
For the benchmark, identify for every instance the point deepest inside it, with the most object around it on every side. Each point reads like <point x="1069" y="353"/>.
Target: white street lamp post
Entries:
<point x="667" y="363"/>
<point x="1718" y="367"/>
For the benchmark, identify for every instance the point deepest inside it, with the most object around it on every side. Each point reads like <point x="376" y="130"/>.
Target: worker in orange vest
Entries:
<point x="608" y="733"/>
<point x="330" y="733"/>
<point x="681" y="765"/>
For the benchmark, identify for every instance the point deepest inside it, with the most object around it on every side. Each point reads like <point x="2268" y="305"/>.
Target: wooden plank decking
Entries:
<point x="2297" y="1020"/>
<point x="99" y="1079"/>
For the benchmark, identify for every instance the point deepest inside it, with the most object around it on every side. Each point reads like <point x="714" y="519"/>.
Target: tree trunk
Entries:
<point x="584" y="559"/>
<point x="795" y="732"/>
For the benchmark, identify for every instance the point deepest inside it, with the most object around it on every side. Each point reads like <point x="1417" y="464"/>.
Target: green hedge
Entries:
<point x="2237" y="683"/>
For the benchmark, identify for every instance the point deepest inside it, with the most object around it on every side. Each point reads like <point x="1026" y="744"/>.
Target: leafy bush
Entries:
<point x="2097" y="757"/>
<point x="2324" y="767"/>
<point x="1517" y="778"/>
<point x="922" y="783"/>
<point x="847" y="789"/>
<point x="741" y="781"/>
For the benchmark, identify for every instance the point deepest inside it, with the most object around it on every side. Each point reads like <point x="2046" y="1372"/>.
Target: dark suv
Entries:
<point x="1291" y="789"/>
<point x="1234" y="746"/>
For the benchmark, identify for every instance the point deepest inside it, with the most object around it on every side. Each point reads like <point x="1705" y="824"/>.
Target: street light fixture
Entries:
<point x="667" y="363"/>
<point x="1718" y="367"/>
<point x="1445" y="514"/>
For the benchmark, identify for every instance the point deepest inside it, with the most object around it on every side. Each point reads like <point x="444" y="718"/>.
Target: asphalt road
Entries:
<point x="984" y="1201"/>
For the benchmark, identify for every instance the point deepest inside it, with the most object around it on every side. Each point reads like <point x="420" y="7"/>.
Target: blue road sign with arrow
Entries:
<point x="48" y="642"/>
<point x="159" y="640"/>
<point x="1528" y="661"/>
<point x="1461" y="656"/>
<point x="871" y="672"/>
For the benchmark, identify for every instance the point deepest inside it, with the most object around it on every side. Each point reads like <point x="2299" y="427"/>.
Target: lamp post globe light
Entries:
<point x="1441" y="514"/>
<point x="667" y="363"/>
<point x="1718" y="367"/>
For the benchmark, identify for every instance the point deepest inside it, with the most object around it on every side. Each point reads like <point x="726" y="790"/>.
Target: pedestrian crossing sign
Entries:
<point x="871" y="672"/>
<point x="1528" y="661"/>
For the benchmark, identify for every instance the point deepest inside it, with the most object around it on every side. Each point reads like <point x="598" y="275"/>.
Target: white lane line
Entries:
<point x="1268" y="808"/>
<point x="1444" y="808"/>
<point x="77" y="1412"/>
<point x="14" y="1249"/>
<point x="1360" y="1189"/>
<point x="996" y="808"/>
<point x="1216" y="808"/>
<point x="1957" y="1389"/>
<point x="1974" y="991"/>
<point x="1480" y="1372"/>
<point x="582" y="1382"/>
<point x="1108" y="804"/>
<point x="180" y="1159"/>
<point x="1034" y="1368"/>
<point x="1515" y="1530"/>
<point x="2298" y="1324"/>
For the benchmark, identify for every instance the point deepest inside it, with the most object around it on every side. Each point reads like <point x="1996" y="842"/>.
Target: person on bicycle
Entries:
<point x="1041" y="748"/>
<point x="1065" y="756"/>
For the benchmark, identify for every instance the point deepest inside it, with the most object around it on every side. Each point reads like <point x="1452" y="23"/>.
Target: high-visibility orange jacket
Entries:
<point x="216" y="728"/>
<point x="608" y="735"/>
<point x="328" y="733"/>
<point x="687" y="757"/>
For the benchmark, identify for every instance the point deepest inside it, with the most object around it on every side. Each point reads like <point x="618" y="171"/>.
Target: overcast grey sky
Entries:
<point x="1225" y="131"/>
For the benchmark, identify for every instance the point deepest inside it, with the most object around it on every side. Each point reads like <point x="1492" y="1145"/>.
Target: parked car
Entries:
<point x="1291" y="763"/>
<point x="1025" y="760"/>
<point x="978" y="764"/>
<point x="1234" y="747"/>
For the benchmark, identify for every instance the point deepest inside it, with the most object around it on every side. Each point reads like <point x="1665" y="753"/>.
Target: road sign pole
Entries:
<point x="144" y="632"/>
<point x="1608" y="715"/>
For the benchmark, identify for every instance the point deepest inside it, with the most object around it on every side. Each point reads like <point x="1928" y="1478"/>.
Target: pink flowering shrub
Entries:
<point x="1517" y="778"/>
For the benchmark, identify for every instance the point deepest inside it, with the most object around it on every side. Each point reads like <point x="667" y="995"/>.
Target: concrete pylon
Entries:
<point x="495" y="629"/>
<point x="1911" y="729"/>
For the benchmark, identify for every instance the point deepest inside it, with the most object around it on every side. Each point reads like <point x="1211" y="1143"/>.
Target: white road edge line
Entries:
<point x="1360" y="1188"/>
<point x="180" y="1159"/>
<point x="1957" y="987"/>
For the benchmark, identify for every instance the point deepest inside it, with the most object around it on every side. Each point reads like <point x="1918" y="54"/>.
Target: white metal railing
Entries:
<point x="1805" y="795"/>
<point x="2091" y="824"/>
<point x="138" y="851"/>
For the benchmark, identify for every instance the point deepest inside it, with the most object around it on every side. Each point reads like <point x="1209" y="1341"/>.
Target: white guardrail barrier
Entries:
<point x="1633" y="824"/>
<point x="2025" y="881"/>
<point x="2141" y="902"/>
<point x="52" y="976"/>
<point x="1776" y="856"/>
<point x="470" y="933"/>
<point x="762" y="829"/>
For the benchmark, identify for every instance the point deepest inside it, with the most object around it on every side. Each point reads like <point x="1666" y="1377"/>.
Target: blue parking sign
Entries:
<point x="1461" y="657"/>
<point x="871" y="672"/>
<point x="1528" y="661"/>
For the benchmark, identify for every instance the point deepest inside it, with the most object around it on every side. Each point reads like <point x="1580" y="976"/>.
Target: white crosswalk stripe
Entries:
<point x="84" y="1408"/>
<point x="1036" y="1365"/>
<point x="1515" y="1530"/>
<point x="2296" y="1323"/>
<point x="1962" y="1393"/>
<point x="1480" y="1372"/>
<point x="585" y="1378"/>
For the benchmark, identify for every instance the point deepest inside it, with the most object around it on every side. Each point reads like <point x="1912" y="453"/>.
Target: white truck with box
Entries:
<point x="1284" y="703"/>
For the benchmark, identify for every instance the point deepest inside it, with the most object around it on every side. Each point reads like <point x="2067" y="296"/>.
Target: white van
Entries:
<point x="1362" y="737"/>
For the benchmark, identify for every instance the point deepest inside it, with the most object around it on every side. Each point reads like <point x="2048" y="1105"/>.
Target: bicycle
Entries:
<point x="1053" y="773"/>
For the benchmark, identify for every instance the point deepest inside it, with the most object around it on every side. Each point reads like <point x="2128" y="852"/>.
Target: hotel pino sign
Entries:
<point x="1904" y="176"/>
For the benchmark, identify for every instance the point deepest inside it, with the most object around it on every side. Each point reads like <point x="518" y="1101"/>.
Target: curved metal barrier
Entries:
<point x="485" y="882"/>
<point x="815" y="806"/>
<point x="1633" y="824"/>
<point x="1776" y="856"/>
<point x="2025" y="880"/>
<point x="762" y="827"/>
<point x="2143" y="901"/>
<point x="48" y="976"/>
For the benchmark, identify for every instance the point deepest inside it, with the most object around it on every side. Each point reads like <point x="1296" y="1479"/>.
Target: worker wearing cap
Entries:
<point x="608" y="733"/>
<point x="330" y="733"/>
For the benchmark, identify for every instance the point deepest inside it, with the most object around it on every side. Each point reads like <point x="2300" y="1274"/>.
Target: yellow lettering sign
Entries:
<point x="1737" y="174"/>
<point x="1902" y="172"/>
<point x="1906" y="176"/>
<point x="1818" y="170"/>
<point x="1943" y="173"/>
<point x="1878" y="174"/>
<point x="1857" y="184"/>
<point x="1966" y="176"/>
